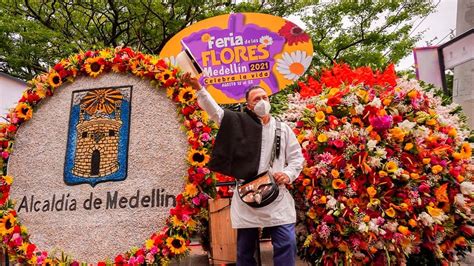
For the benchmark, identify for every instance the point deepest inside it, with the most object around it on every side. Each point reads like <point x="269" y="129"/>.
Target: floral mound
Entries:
<point x="190" y="215"/>
<point x="388" y="171"/>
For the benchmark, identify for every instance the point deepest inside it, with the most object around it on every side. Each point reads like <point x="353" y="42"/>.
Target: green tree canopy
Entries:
<point x="36" y="34"/>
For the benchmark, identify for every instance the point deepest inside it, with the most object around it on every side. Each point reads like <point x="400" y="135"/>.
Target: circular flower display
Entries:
<point x="188" y="218"/>
<point x="388" y="170"/>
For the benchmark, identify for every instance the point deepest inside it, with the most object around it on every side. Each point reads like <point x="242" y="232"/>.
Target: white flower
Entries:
<point x="467" y="188"/>
<point x="331" y="203"/>
<point x="459" y="200"/>
<point x="267" y="40"/>
<point x="376" y="102"/>
<point x="406" y="125"/>
<point x="426" y="219"/>
<point x="292" y="66"/>
<point x="363" y="227"/>
<point x="371" y="144"/>
<point x="171" y="61"/>
<point x="373" y="226"/>
<point x="359" y="109"/>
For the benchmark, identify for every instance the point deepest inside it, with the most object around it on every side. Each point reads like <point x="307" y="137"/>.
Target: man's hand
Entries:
<point x="281" y="178"/>
<point x="192" y="81"/>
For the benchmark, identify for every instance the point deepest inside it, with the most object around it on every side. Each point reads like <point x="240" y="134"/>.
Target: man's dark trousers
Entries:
<point x="283" y="241"/>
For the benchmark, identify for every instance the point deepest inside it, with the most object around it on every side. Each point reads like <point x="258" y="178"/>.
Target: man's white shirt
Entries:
<point x="282" y="210"/>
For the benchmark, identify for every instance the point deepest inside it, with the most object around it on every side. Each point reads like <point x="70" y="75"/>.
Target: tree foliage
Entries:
<point x="34" y="34"/>
<point x="371" y="33"/>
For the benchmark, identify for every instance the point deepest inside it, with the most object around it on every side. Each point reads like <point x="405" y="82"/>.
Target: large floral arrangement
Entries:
<point x="388" y="170"/>
<point x="186" y="219"/>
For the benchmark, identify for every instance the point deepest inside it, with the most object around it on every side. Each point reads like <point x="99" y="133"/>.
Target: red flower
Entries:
<point x="293" y="34"/>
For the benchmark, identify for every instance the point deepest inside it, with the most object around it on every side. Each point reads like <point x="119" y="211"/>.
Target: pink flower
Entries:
<point x="205" y="137"/>
<point x="5" y="155"/>
<point x="380" y="123"/>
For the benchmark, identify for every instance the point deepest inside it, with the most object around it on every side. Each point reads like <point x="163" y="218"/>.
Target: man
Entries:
<point x="243" y="149"/>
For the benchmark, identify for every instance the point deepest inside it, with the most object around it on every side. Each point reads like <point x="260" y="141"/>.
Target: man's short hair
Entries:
<point x="251" y="88"/>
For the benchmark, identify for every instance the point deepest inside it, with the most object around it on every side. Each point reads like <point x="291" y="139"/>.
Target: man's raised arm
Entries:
<point x="205" y="100"/>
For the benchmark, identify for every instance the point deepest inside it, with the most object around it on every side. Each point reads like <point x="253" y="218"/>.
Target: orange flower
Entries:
<point x="371" y="191"/>
<point x="335" y="173"/>
<point x="306" y="181"/>
<point x="382" y="173"/>
<point x="414" y="176"/>
<point x="404" y="230"/>
<point x="412" y="223"/>
<point x="436" y="169"/>
<point x="338" y="184"/>
<point x="441" y="193"/>
<point x="426" y="160"/>
<point x="431" y="122"/>
<point x="460" y="241"/>
<point x="409" y="146"/>
<point x="390" y="212"/>
<point x="323" y="199"/>
<point x="398" y="134"/>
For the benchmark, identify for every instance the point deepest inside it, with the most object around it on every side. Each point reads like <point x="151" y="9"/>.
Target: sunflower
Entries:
<point x="191" y="190"/>
<point x="186" y="95"/>
<point x="24" y="111"/>
<point x="176" y="222"/>
<point x="7" y="223"/>
<point x="176" y="244"/>
<point x="94" y="66"/>
<point x="198" y="158"/>
<point x="54" y="79"/>
<point x="164" y="75"/>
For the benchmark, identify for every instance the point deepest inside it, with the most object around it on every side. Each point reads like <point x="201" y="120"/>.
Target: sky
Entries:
<point x="437" y="28"/>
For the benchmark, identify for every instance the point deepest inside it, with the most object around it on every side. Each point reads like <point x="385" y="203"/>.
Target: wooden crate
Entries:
<point x="223" y="237"/>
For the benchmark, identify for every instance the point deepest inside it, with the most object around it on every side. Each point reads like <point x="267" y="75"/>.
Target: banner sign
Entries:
<point x="236" y="51"/>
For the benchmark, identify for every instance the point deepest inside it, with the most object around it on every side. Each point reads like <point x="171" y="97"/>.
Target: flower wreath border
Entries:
<point x="190" y="214"/>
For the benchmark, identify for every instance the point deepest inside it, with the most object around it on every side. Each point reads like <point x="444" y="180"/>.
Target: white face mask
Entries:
<point x="262" y="108"/>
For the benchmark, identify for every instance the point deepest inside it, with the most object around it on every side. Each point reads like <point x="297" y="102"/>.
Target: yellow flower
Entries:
<point x="413" y="94"/>
<point x="466" y="150"/>
<point x="93" y="66"/>
<point x="338" y="184"/>
<point x="164" y="75"/>
<point x="391" y="167"/>
<point x="320" y="116"/>
<point x="186" y="95"/>
<point x="8" y="179"/>
<point x="191" y="190"/>
<point x="333" y="91"/>
<point x="435" y="212"/>
<point x="198" y="157"/>
<point x="54" y="79"/>
<point x="7" y="223"/>
<point x="322" y="138"/>
<point x="176" y="244"/>
<point x="24" y="111"/>
<point x="176" y="222"/>
<point x="371" y="191"/>
<point x="311" y="214"/>
<point x="426" y="160"/>
<point x="382" y="173"/>
<point x="105" y="53"/>
<point x="390" y="212"/>
<point x="398" y="134"/>
<point x="436" y="169"/>
<point x="409" y="146"/>
<point x="169" y="92"/>
<point x="149" y="244"/>
<point x="364" y="96"/>
<point x="414" y="176"/>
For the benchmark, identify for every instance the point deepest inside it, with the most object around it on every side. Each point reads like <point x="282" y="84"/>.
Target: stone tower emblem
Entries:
<point x="98" y="136"/>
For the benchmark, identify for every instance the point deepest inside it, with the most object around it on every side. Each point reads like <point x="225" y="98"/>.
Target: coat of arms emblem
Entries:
<point x="97" y="147"/>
